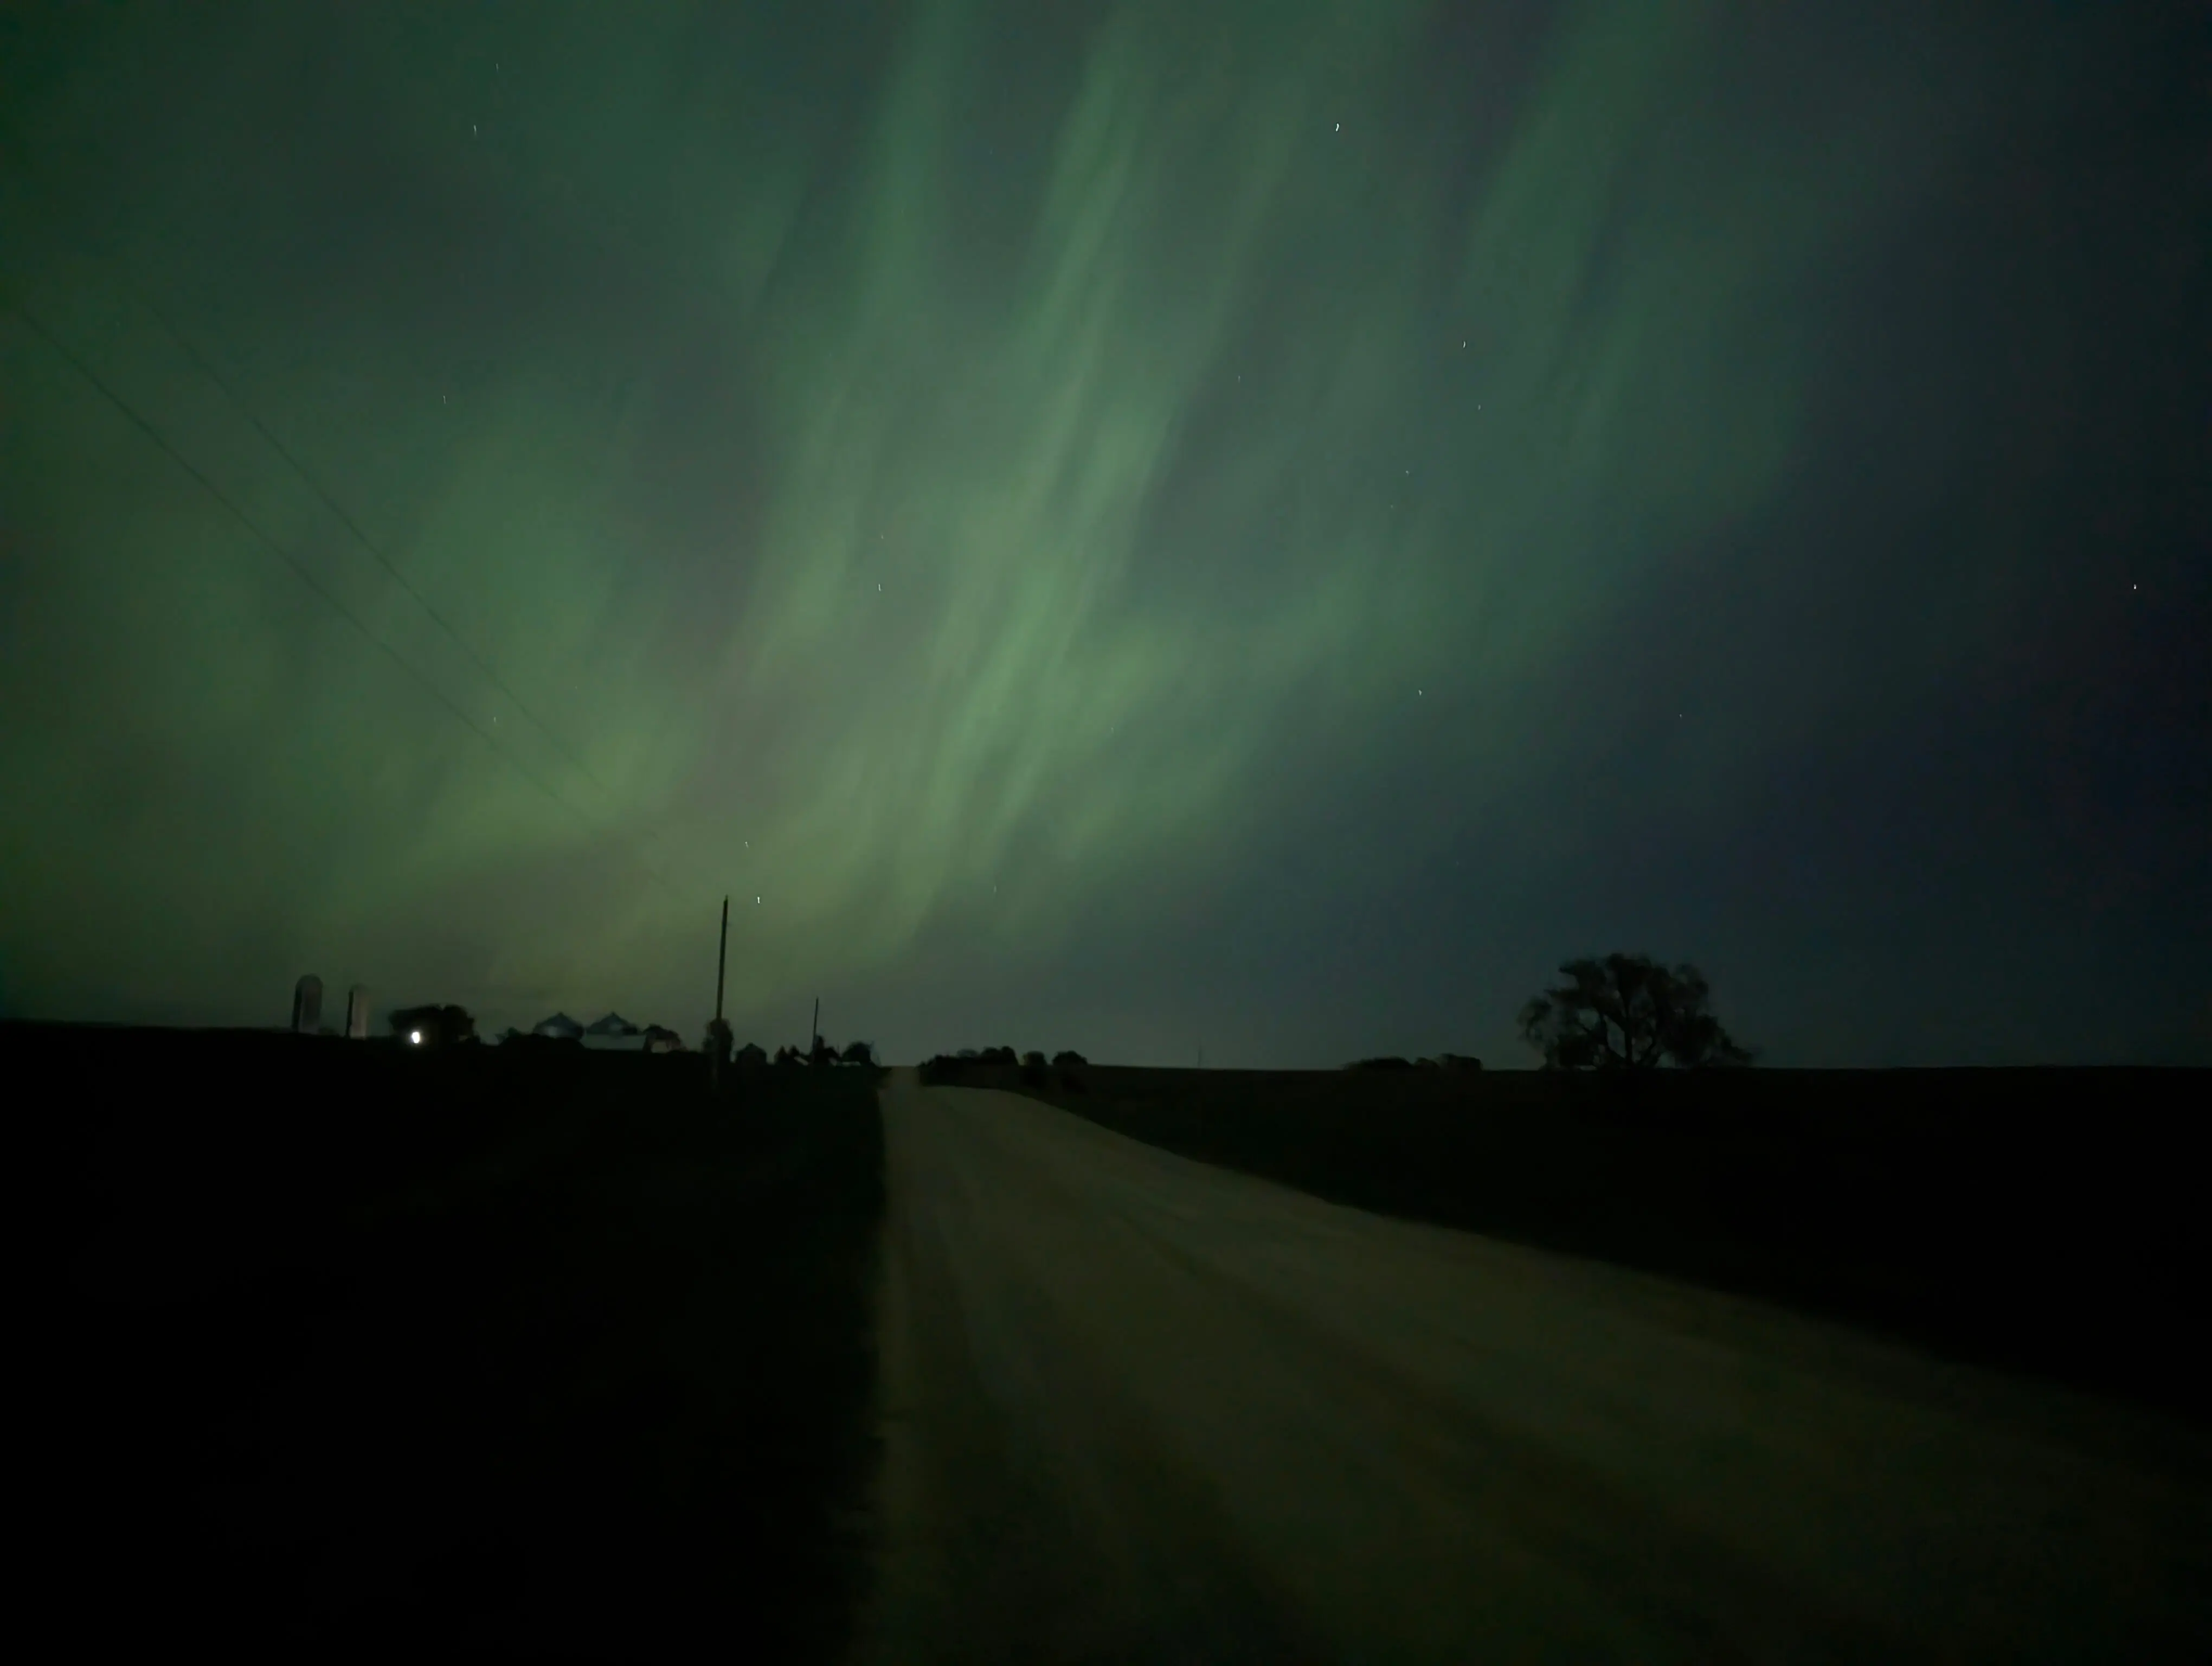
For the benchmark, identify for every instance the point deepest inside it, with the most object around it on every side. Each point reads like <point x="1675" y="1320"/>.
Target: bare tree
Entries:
<point x="1627" y="1012"/>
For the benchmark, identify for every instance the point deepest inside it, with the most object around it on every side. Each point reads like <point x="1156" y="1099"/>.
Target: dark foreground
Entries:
<point x="2047" y="1223"/>
<point x="367" y="1352"/>
<point x="1138" y="1409"/>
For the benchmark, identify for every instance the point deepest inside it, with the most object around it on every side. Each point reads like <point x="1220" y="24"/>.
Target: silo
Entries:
<point x="308" y="1004"/>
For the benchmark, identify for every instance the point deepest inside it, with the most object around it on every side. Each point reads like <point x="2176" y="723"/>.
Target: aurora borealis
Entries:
<point x="1259" y="525"/>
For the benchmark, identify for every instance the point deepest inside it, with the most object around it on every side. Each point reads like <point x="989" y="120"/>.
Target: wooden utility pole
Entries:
<point x="718" y="1041"/>
<point x="814" y="1041"/>
<point x="722" y="960"/>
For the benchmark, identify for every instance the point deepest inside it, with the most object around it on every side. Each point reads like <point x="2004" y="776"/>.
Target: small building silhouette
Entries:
<point x="559" y="1027"/>
<point x="616" y="1034"/>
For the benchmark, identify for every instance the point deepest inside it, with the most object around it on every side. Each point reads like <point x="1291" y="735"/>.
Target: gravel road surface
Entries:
<point x="1135" y="1409"/>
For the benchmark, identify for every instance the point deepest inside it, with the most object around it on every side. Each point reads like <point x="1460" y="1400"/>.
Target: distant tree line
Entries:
<point x="821" y="1055"/>
<point x="1441" y="1061"/>
<point x="440" y="1025"/>
<point x="1624" y="1013"/>
<point x="984" y="1065"/>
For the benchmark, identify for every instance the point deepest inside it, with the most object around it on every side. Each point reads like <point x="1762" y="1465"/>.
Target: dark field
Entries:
<point x="363" y="1350"/>
<point x="2046" y="1222"/>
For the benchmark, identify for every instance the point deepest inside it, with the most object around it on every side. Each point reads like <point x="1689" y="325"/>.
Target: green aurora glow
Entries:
<point x="967" y="476"/>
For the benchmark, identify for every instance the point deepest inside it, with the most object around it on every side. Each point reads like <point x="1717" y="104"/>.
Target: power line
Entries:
<point x="139" y="293"/>
<point x="207" y="368"/>
<point x="307" y="577"/>
<point x="376" y="555"/>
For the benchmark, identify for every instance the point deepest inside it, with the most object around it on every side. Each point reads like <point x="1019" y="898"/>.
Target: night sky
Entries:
<point x="1259" y="525"/>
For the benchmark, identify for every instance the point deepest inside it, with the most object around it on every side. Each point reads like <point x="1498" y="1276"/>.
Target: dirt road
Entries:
<point x="1138" y="1409"/>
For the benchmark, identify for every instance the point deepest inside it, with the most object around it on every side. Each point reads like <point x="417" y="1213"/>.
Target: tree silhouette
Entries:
<point x="1627" y="1012"/>
<point x="434" y="1026"/>
<point x="859" y="1052"/>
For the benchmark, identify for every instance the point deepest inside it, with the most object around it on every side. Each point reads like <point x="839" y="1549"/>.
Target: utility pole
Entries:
<point x="718" y="1038"/>
<point x="814" y="1041"/>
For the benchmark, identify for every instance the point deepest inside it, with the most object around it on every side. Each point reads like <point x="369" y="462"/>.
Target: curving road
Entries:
<point x="1135" y="1409"/>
